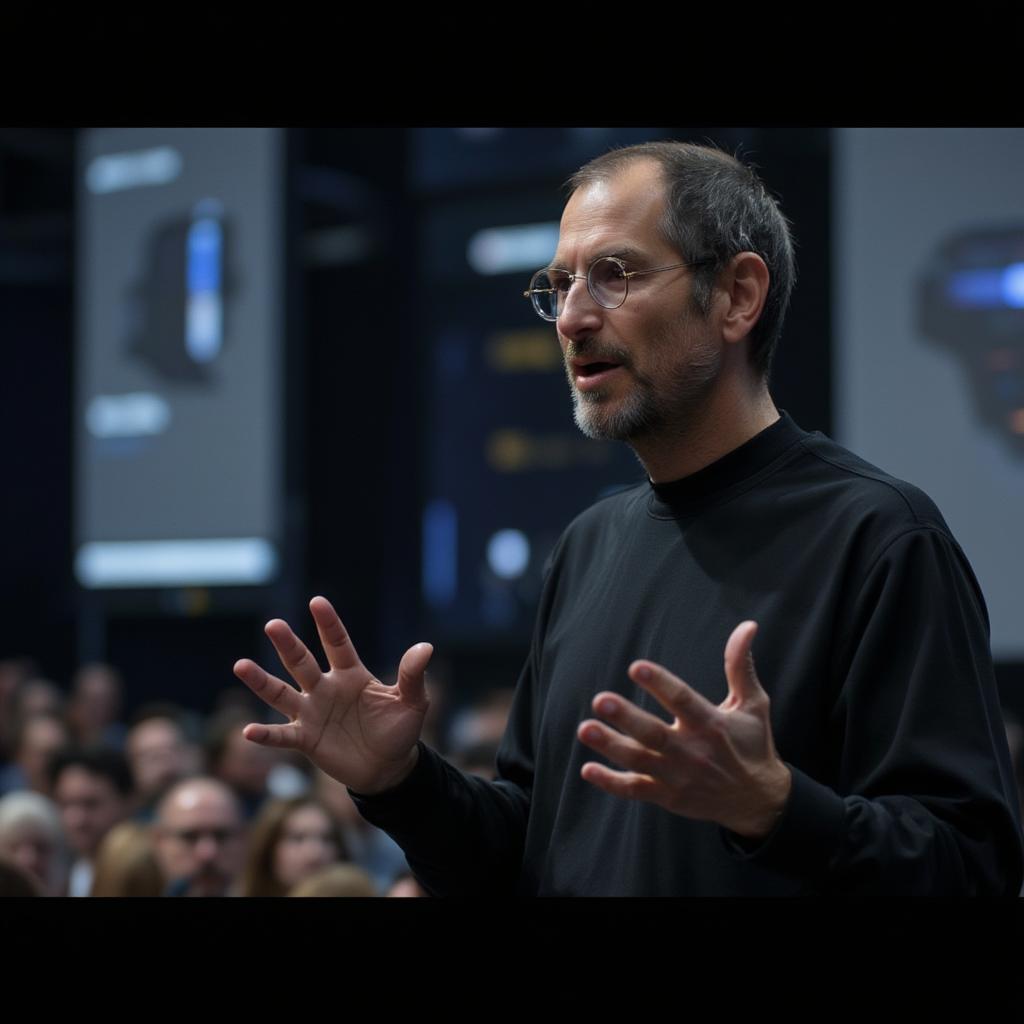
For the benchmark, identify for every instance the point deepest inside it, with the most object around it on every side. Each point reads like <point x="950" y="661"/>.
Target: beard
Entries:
<point x="648" y="409"/>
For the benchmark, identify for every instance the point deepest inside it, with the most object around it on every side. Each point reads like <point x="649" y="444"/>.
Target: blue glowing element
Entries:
<point x="1013" y="286"/>
<point x="992" y="288"/>
<point x="440" y="553"/>
<point x="203" y="309"/>
<point x="508" y="554"/>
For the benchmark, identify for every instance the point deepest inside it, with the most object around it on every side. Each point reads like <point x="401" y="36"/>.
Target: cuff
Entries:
<point x="807" y="835"/>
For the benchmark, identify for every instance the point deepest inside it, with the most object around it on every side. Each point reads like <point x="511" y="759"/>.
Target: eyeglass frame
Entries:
<point x="532" y="292"/>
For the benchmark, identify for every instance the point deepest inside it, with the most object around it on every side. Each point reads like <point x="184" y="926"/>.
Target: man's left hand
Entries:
<point x="711" y="763"/>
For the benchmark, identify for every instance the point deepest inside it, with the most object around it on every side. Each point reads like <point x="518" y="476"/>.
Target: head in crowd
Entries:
<point x="14" y="673"/>
<point x="126" y="863"/>
<point x="37" y="739"/>
<point x="39" y="697"/>
<point x="290" y="840"/>
<point x="199" y="837"/>
<point x="95" y="704"/>
<point x="92" y="786"/>
<point x="336" y="880"/>
<point x="716" y="208"/>
<point x="159" y="751"/>
<point x="31" y="839"/>
<point x="244" y="766"/>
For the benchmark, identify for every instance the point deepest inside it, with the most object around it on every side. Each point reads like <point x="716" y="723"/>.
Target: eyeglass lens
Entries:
<point x="606" y="283"/>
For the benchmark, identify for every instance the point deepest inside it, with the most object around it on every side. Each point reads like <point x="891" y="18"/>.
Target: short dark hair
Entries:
<point x="717" y="207"/>
<point x="103" y="761"/>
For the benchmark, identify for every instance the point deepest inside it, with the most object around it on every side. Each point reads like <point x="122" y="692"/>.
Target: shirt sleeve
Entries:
<point x="924" y="801"/>
<point x="462" y="835"/>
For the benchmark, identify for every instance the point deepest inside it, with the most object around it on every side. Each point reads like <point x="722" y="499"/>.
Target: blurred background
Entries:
<point x="244" y="366"/>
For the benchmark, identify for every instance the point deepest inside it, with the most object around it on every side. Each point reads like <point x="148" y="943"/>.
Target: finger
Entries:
<point x="271" y="690"/>
<point x="647" y="729"/>
<point x="338" y="647"/>
<point x="623" y="750"/>
<point x="410" y="675"/>
<point x="739" y="665"/>
<point x="672" y="693"/>
<point x="285" y="736"/>
<point x="294" y="654"/>
<point x="628" y="785"/>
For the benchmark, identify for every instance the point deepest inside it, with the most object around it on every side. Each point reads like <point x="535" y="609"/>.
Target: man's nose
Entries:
<point x="206" y="849"/>
<point x="580" y="315"/>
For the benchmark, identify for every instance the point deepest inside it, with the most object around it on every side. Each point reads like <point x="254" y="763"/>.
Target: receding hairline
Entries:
<point x="615" y="161"/>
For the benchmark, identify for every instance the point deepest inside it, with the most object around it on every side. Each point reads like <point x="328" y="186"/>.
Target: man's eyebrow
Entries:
<point x="626" y="253"/>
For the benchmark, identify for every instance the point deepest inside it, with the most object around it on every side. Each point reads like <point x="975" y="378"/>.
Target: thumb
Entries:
<point x="739" y="665"/>
<point x="410" y="674"/>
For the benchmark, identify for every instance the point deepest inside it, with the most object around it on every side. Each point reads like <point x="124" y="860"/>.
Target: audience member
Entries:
<point x="159" y="753"/>
<point x="336" y="880"/>
<point x="37" y="738"/>
<point x="126" y="863"/>
<point x="244" y="766"/>
<point x="290" y="840"/>
<point x="369" y="848"/>
<point x="95" y="706"/>
<point x="31" y="839"/>
<point x="92" y="788"/>
<point x="199" y="839"/>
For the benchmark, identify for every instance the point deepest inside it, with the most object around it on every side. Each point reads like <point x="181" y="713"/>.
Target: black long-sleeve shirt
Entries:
<point x="873" y="647"/>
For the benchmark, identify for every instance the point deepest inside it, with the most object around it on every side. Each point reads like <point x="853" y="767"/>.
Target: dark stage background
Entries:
<point x="425" y="458"/>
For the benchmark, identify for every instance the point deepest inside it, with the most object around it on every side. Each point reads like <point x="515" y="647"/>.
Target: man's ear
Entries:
<point x="742" y="288"/>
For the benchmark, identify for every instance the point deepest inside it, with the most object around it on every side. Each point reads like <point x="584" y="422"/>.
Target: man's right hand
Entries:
<point x="346" y="721"/>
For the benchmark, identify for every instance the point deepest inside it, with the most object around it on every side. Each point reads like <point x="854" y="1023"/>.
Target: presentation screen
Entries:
<point x="929" y="331"/>
<point x="179" y="339"/>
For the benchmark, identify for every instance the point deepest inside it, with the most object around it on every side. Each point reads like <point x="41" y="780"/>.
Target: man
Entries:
<point x="92" y="787"/>
<point x="159" y="754"/>
<point x="864" y="752"/>
<point x="199" y="838"/>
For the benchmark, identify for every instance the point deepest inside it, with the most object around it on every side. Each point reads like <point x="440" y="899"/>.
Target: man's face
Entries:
<point x="199" y="836"/>
<point x="158" y="755"/>
<point x="646" y="368"/>
<point x="306" y="844"/>
<point x="90" y="805"/>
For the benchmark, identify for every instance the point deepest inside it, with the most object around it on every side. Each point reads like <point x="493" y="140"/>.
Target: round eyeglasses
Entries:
<point x="607" y="281"/>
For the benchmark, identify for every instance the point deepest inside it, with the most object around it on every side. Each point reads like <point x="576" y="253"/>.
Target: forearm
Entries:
<point x="461" y="834"/>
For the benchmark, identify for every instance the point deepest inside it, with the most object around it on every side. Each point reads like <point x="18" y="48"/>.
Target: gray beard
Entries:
<point x="645" y="415"/>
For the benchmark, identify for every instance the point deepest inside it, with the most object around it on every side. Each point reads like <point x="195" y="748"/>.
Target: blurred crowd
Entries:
<point x="169" y="802"/>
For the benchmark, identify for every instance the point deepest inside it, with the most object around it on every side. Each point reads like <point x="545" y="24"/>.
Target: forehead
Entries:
<point x="615" y="215"/>
<point x="307" y="819"/>
<point x="194" y="806"/>
<point x="76" y="781"/>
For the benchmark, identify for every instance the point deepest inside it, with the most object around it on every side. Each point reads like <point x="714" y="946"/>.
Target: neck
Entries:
<point x="731" y="416"/>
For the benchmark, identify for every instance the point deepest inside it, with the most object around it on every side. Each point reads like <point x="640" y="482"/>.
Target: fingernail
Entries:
<point x="606" y="707"/>
<point x="643" y="672"/>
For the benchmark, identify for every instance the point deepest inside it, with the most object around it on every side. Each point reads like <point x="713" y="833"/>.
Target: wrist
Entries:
<point x="763" y="819"/>
<point x="392" y="778"/>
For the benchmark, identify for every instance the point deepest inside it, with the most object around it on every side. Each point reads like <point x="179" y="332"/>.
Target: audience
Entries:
<point x="198" y="836"/>
<point x="93" y="788"/>
<point x="290" y="840"/>
<point x="31" y="839"/>
<point x="126" y="863"/>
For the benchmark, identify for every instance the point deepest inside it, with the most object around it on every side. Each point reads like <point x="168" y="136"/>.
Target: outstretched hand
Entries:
<point x="346" y="721"/>
<point x="711" y="763"/>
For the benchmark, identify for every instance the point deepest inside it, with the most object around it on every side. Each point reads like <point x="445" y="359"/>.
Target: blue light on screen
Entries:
<point x="991" y="288"/>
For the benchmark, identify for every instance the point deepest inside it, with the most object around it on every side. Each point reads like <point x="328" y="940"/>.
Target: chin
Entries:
<point x="600" y="419"/>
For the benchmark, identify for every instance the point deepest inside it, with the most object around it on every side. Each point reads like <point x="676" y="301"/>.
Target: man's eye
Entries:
<point x="560" y="282"/>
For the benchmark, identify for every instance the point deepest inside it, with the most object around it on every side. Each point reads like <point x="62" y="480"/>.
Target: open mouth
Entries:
<point x="594" y="374"/>
<point x="592" y="369"/>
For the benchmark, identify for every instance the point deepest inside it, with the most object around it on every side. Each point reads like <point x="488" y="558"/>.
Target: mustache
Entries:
<point x="596" y="352"/>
